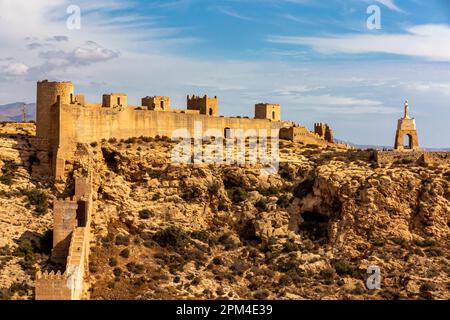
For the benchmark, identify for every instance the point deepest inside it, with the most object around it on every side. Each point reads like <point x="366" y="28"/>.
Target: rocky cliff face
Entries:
<point x="308" y="232"/>
<point x="168" y="231"/>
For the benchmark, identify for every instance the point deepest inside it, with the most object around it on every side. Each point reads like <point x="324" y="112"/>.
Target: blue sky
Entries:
<point x="317" y="58"/>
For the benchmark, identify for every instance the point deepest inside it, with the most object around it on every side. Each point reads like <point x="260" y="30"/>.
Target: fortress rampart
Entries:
<point x="65" y="119"/>
<point x="71" y="237"/>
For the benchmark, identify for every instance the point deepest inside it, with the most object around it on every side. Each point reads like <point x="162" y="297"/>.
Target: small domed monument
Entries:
<point x="406" y="126"/>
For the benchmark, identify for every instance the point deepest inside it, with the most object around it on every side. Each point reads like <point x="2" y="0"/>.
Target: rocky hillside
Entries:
<point x="170" y="231"/>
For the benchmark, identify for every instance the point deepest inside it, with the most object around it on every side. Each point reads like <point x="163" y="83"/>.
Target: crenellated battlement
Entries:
<point x="71" y="234"/>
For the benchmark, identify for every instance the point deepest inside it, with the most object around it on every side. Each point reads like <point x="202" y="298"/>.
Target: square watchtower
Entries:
<point x="205" y="105"/>
<point x="271" y="111"/>
<point x="156" y="103"/>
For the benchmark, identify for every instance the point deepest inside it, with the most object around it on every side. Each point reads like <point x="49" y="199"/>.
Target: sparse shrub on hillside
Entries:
<point x="172" y="237"/>
<point x="261" y="204"/>
<point x="146" y="139"/>
<point x="214" y="188"/>
<point x="283" y="201"/>
<point x="37" y="198"/>
<point x="261" y="295"/>
<point x="145" y="214"/>
<point x="130" y="140"/>
<point x="343" y="268"/>
<point x="112" y="140"/>
<point x="237" y="194"/>
<point x="156" y="196"/>
<point x="328" y="275"/>
<point x="135" y="268"/>
<point x="8" y="172"/>
<point x="201" y="235"/>
<point x="271" y="191"/>
<point x="122" y="240"/>
<point x="94" y="144"/>
<point x="112" y="262"/>
<point x="425" y="242"/>
<point x="154" y="174"/>
<point x="191" y="193"/>
<point x="290" y="246"/>
<point x="117" y="272"/>
<point x="125" y="253"/>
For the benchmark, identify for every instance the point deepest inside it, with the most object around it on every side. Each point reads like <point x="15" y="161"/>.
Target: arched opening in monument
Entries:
<point x="58" y="99"/>
<point x="162" y="105"/>
<point x="210" y="111"/>
<point x="71" y="98"/>
<point x="118" y="101"/>
<point x="407" y="141"/>
<point x="273" y="115"/>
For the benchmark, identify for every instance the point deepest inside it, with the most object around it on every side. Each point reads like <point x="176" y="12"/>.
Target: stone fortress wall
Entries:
<point x="65" y="119"/>
<point x="71" y="237"/>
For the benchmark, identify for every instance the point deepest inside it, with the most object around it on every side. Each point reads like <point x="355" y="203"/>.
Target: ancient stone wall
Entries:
<point x="301" y="135"/>
<point x="71" y="245"/>
<point x="412" y="157"/>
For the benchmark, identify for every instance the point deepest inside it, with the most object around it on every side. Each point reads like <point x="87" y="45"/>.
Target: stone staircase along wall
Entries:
<point x="71" y="284"/>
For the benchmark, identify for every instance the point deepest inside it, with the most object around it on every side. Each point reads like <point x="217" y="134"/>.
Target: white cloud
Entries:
<point x="233" y="13"/>
<point x="442" y="89"/>
<point x="424" y="41"/>
<point x="15" y="69"/>
<point x="390" y="4"/>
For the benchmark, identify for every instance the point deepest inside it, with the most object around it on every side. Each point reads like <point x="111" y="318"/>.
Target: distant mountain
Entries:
<point x="13" y="111"/>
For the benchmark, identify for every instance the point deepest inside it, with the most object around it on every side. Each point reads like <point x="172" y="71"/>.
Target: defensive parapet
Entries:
<point x="271" y="111"/>
<point x="156" y="103"/>
<point x="324" y="131"/>
<point x="206" y="105"/>
<point x="114" y="100"/>
<point x="70" y="245"/>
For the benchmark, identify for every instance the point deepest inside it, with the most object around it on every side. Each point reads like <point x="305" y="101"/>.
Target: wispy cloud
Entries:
<point x="424" y="41"/>
<point x="390" y="4"/>
<point x="232" y="13"/>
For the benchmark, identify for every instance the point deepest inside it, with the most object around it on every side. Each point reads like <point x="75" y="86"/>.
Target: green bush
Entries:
<point x="283" y="201"/>
<point x="425" y="242"/>
<point x="343" y="268"/>
<point x="271" y="191"/>
<point x="156" y="196"/>
<point x="37" y="198"/>
<point x="237" y="194"/>
<point x="201" y="235"/>
<point x="145" y="214"/>
<point x="172" y="237"/>
<point x="8" y="172"/>
<point x="191" y="194"/>
<point x="290" y="246"/>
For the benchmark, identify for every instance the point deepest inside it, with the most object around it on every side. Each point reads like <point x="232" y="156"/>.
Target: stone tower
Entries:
<point x="271" y="111"/>
<point x="49" y="94"/>
<point x="206" y="105"/>
<point x="406" y="126"/>
<point x="324" y="131"/>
